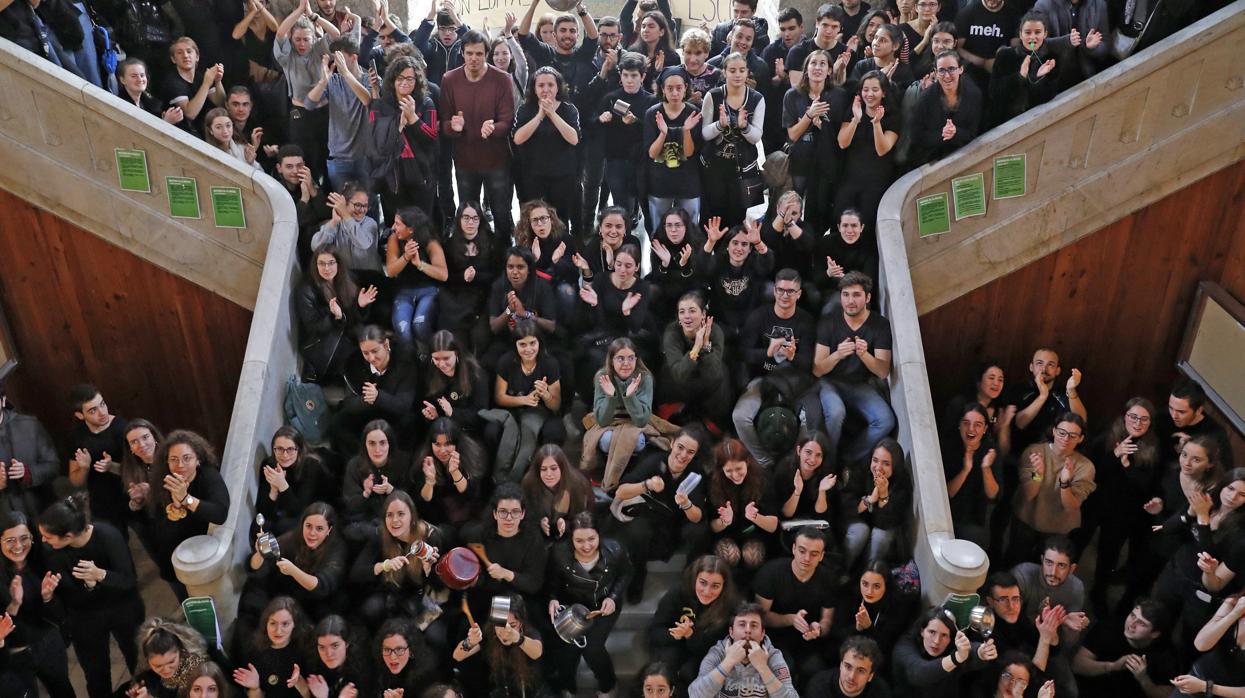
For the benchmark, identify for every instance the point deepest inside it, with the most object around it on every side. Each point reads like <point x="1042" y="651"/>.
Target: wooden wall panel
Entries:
<point x="1114" y="304"/>
<point x="83" y="310"/>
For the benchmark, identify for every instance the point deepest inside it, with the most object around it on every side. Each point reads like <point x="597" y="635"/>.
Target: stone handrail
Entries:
<point x="57" y="136"/>
<point x="57" y="133"/>
<point x="1120" y="141"/>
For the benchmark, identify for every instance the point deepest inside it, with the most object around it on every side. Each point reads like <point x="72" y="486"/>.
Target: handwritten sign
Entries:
<point x="493" y="12"/>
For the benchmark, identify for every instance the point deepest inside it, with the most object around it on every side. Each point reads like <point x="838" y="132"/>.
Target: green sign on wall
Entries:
<point x="227" y="209"/>
<point x="932" y="215"/>
<point x="132" y="170"/>
<point x="1010" y="176"/>
<point x="183" y="197"/>
<point x="968" y="195"/>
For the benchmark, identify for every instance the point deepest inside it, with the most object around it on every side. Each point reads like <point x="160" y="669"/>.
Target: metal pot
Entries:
<point x="423" y="552"/>
<point x="571" y="623"/>
<point x="265" y="542"/>
<point x="563" y="5"/>
<point x="981" y="621"/>
<point x="499" y="610"/>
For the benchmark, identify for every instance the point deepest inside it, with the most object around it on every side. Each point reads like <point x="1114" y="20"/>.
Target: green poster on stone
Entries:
<point x="1010" y="176"/>
<point x="132" y="170"/>
<point x="968" y="195"/>
<point x="183" y="197"/>
<point x="227" y="210"/>
<point x="932" y="215"/>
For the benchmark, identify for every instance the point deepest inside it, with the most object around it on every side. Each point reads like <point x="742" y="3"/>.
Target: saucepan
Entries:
<point x="459" y="568"/>
<point x="265" y="542"/>
<point x="571" y="623"/>
<point x="981" y="622"/>
<point x="499" y="610"/>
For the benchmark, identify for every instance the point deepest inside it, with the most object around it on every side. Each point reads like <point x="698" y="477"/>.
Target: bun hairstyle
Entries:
<point x="68" y="516"/>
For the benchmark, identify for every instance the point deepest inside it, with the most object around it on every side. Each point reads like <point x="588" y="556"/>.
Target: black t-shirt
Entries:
<point x="660" y="506"/>
<point x="624" y="141"/>
<point x="674" y="174"/>
<point x="1056" y="404"/>
<point x="876" y="331"/>
<point x="1106" y="640"/>
<point x="708" y="79"/>
<point x="858" y="256"/>
<point x="547" y="153"/>
<point x="536" y="296"/>
<point x="984" y="33"/>
<point x="764" y="325"/>
<point x="776" y="582"/>
<point x="862" y="153"/>
<point x="108" y="497"/>
<point x="825" y="684"/>
<point x="851" y="23"/>
<point x="1207" y="427"/>
<point x="818" y="148"/>
<point x="518" y="383"/>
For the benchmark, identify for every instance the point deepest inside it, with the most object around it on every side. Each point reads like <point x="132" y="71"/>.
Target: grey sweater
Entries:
<point x="356" y="242"/>
<point x="303" y="72"/>
<point x="743" y="679"/>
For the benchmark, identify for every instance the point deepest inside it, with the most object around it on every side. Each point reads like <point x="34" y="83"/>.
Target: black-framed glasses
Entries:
<point x="1136" y="418"/>
<point x="508" y="514"/>
<point x="949" y="71"/>
<point x="786" y="291"/>
<point x="394" y="651"/>
<point x="1065" y="434"/>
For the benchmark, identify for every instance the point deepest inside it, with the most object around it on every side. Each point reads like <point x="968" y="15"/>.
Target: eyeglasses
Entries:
<point x="1022" y="683"/>
<point x="405" y="79"/>
<point x="786" y="291"/>
<point x="508" y="514"/>
<point x="927" y="4"/>
<point x="358" y="205"/>
<point x="285" y="449"/>
<point x="1136" y="418"/>
<point x="394" y="651"/>
<point x="327" y="264"/>
<point x="188" y="459"/>
<point x="540" y="219"/>
<point x="471" y="217"/>
<point x="1065" y="434"/>
<point x="625" y="358"/>
<point x="949" y="71"/>
<point x="13" y="542"/>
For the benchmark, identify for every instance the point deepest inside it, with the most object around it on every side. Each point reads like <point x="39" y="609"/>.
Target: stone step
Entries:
<point x="627" y="650"/>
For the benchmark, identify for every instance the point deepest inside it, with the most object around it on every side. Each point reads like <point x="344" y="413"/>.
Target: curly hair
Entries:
<point x="387" y="87"/>
<point x="523" y="234"/>
<point x="159" y="497"/>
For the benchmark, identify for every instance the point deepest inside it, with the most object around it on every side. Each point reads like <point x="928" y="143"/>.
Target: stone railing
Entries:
<point x="1120" y="141"/>
<point x="57" y="135"/>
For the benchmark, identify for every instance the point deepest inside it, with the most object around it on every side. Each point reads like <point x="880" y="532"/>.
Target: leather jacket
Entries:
<point x="569" y="584"/>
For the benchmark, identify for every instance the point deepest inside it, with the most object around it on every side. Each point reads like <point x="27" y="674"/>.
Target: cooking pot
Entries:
<point x="423" y="552"/>
<point x="459" y="568"/>
<point x="265" y="542"/>
<point x="562" y="5"/>
<point x="981" y="621"/>
<point x="499" y="610"/>
<point x="571" y="623"/>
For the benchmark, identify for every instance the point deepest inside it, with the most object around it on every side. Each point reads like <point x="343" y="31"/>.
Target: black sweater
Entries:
<point x="108" y="550"/>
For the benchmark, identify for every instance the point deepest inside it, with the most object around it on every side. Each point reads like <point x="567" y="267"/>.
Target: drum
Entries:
<point x="459" y="568"/>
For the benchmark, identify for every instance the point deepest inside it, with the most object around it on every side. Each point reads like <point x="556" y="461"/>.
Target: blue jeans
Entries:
<point x="657" y="205"/>
<point x="837" y="397"/>
<point x="342" y="170"/>
<point x="607" y="438"/>
<point x="412" y="313"/>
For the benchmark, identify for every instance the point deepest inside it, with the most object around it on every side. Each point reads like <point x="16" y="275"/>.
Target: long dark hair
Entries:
<point x="356" y="663"/>
<point x="343" y="287"/>
<point x="718" y="614"/>
<point x="391" y="547"/>
<point x="522" y="670"/>
<point x="306" y="459"/>
<point x="472" y="455"/>
<point x="664" y="43"/>
<point x="362" y="464"/>
<point x="692" y="235"/>
<point x="295" y="548"/>
<point x="1147" y="454"/>
<point x="572" y="482"/>
<point x="466" y="369"/>
<point x="721" y="489"/>
<point x="530" y="97"/>
<point x="456" y="243"/>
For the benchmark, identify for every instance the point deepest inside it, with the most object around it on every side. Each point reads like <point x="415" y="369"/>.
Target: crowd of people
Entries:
<point x="716" y="326"/>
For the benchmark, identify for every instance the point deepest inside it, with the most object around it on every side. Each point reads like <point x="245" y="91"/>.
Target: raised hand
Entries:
<point x="247" y="677"/>
<point x="858" y="110"/>
<point x="662" y="253"/>
<point x="742" y="121"/>
<point x="48" y="586"/>
<point x="948" y="130"/>
<point x="827" y="483"/>
<point x="1092" y="41"/>
<point x="726" y="513"/>
<point x="692" y="121"/>
<point x="1038" y="463"/>
<point x="878" y="112"/>
<point x="1045" y="68"/>
<point x="662" y="128"/>
<point x="588" y="295"/>
<point x="713" y="228"/>
<point x="863" y="621"/>
<point x="630" y="301"/>
<point x="367" y="296"/>
<point x="457" y="122"/>
<point x="632" y="386"/>
<point x="607" y="385"/>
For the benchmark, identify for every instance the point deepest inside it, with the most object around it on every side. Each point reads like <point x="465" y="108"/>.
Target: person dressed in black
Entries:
<point x="541" y="230"/>
<point x="311" y="569"/>
<point x="329" y="305"/>
<point x="694" y="377"/>
<point x="676" y="261"/>
<point x="737" y="278"/>
<point x="621" y="115"/>
<point x="404" y="138"/>
<point x="455" y="387"/>
<point x="1027" y="75"/>
<point x="529" y="386"/>
<point x="91" y="575"/>
<point x="381" y="385"/>
<point x="804" y="481"/>
<point x="595" y="572"/>
<point x="842" y="251"/>
<point x="408" y="664"/>
<point x="98" y="443"/>
<point x="380" y="467"/>
<point x="339" y="662"/>
<point x="869" y="164"/>
<point x="799" y="595"/>
<point x="520" y="294"/>
<point x="470" y="253"/>
<point x="500" y="660"/>
<point x="811" y="110"/>
<point x="293" y="477"/>
<point x="277" y="644"/>
<point x="133" y="79"/>
<point x="516" y="551"/>
<point x="649" y="503"/>
<point x="968" y="463"/>
<point x="693" y="616"/>
<point x="1128" y="657"/>
<point x="393" y="570"/>
<point x="452" y="475"/>
<point x="545" y="134"/>
<point x="875" y="609"/>
<point x="673" y="138"/>
<point x="860" y="661"/>
<point x="37" y="623"/>
<point x="948" y="113"/>
<point x="187" y="496"/>
<point x="616" y="305"/>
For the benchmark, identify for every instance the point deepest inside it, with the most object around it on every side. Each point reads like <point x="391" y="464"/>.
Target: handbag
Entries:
<point x="306" y="409"/>
<point x="142" y="23"/>
<point x="751" y="188"/>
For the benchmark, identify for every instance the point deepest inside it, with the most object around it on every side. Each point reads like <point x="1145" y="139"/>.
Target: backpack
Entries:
<point x="306" y="409"/>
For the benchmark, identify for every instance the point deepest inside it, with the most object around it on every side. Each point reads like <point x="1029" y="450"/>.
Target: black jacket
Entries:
<point x="608" y="578"/>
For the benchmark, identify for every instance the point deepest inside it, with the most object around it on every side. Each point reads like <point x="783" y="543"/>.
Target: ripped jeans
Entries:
<point x="413" y="313"/>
